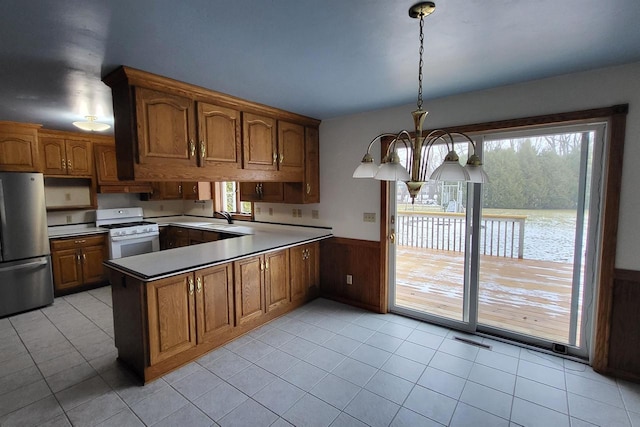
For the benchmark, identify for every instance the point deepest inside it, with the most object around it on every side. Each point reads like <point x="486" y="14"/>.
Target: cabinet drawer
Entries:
<point x="77" y="242"/>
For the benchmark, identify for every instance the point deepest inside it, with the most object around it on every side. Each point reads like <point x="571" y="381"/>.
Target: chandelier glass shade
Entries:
<point x="414" y="172"/>
<point x="91" y="125"/>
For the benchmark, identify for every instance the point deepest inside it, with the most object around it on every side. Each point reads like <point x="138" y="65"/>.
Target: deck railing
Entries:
<point x="500" y="235"/>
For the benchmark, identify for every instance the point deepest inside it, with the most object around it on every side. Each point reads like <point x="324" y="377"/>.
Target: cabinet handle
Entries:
<point x="258" y="189"/>
<point x="195" y="189"/>
<point x="180" y="189"/>
<point x="281" y="158"/>
<point x="266" y="265"/>
<point x="261" y="265"/>
<point x="275" y="158"/>
<point x="84" y="257"/>
<point x="308" y="188"/>
<point x="78" y="257"/>
<point x="190" y="280"/>
<point x="64" y="164"/>
<point x="203" y="150"/>
<point x="77" y="242"/>
<point x="199" y="284"/>
<point x="192" y="148"/>
<point x="69" y="164"/>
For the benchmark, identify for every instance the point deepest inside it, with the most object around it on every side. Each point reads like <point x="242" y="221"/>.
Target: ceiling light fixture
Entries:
<point x="414" y="173"/>
<point x="91" y="125"/>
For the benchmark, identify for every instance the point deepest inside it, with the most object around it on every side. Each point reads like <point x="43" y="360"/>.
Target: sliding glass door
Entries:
<point x="514" y="257"/>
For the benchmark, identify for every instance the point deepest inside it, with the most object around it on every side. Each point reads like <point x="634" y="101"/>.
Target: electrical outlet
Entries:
<point x="349" y="279"/>
<point x="69" y="219"/>
<point x="369" y="217"/>
<point x="67" y="196"/>
<point x="315" y="214"/>
<point x="270" y="211"/>
<point x="258" y="210"/>
<point x="161" y="207"/>
<point x="299" y="213"/>
<point x="294" y="212"/>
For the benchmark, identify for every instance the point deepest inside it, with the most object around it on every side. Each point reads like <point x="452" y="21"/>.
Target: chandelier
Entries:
<point x="91" y="125"/>
<point x="414" y="172"/>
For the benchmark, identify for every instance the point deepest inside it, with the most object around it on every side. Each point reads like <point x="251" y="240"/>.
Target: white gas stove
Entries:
<point x="128" y="233"/>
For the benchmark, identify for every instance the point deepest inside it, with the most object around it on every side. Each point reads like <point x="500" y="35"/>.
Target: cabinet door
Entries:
<point x="214" y="302"/>
<point x="259" y="142"/>
<point x="170" y="316"/>
<point x="311" y="184"/>
<point x="78" y="155"/>
<point x="250" y="191"/>
<point x="313" y="268"/>
<point x="54" y="160"/>
<point x="277" y="284"/>
<point x="196" y="190"/>
<point x="165" y="128"/>
<point x="106" y="166"/>
<point x="290" y="147"/>
<point x="249" y="289"/>
<point x="19" y="148"/>
<point x="272" y="192"/>
<point x="92" y="268"/>
<point x="219" y="136"/>
<point x="67" y="269"/>
<point x="171" y="190"/>
<point x="298" y="272"/>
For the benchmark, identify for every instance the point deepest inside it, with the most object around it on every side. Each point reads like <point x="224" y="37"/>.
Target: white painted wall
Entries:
<point x="343" y="142"/>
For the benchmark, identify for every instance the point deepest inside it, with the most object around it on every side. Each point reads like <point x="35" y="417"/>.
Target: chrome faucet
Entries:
<point x="225" y="215"/>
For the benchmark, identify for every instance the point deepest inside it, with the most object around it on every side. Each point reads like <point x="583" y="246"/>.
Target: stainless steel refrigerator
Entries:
<point x="25" y="259"/>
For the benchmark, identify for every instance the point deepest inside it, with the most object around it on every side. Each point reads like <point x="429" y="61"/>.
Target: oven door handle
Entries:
<point x="134" y="236"/>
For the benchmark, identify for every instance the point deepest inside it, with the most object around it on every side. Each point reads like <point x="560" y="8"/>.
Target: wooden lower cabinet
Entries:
<point x="214" y="303"/>
<point x="162" y="324"/>
<point x="250" y="301"/>
<point x="305" y="271"/>
<point x="77" y="262"/>
<point x="171" y="316"/>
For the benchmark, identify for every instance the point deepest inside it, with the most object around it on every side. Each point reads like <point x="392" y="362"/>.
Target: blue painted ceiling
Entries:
<point x="322" y="58"/>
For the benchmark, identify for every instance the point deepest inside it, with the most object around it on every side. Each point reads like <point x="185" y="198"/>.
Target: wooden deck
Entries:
<point x="525" y="296"/>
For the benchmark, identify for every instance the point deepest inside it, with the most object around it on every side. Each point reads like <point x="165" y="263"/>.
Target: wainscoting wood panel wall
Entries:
<point x="624" y="329"/>
<point x="360" y="259"/>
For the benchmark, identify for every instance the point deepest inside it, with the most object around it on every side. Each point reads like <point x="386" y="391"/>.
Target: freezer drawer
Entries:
<point x="25" y="285"/>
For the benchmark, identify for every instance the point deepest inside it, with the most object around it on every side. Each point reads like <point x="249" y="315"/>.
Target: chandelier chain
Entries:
<point x="420" y="63"/>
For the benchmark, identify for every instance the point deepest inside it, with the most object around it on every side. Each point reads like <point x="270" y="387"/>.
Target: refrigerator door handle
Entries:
<point x="22" y="266"/>
<point x="3" y="221"/>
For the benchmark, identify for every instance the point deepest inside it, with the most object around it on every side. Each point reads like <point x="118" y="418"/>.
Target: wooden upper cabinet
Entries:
<point x="166" y="128"/>
<point x="19" y="147"/>
<point x="259" y="142"/>
<point x="290" y="147"/>
<point x="219" y="136"/>
<point x="311" y="184"/>
<point x="62" y="155"/>
<point x="171" y="316"/>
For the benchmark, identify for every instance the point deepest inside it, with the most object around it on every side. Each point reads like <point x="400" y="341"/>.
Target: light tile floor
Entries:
<point x="325" y="364"/>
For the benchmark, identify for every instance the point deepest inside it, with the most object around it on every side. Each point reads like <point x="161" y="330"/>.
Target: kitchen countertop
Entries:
<point x="255" y="238"/>
<point x="59" y="231"/>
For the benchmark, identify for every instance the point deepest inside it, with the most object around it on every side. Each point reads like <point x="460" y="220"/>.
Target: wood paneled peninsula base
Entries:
<point x="164" y="321"/>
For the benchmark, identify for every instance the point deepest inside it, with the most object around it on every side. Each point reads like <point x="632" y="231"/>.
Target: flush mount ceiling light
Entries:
<point x="414" y="173"/>
<point x="91" y="125"/>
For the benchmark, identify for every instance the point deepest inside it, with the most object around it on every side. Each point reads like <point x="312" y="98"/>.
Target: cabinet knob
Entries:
<point x="281" y="158"/>
<point x="84" y="257"/>
<point x="266" y="265"/>
<point x="308" y="188"/>
<point x="258" y="189"/>
<point x="199" y="284"/>
<point x="192" y="148"/>
<point x="180" y="189"/>
<point x="190" y="280"/>
<point x="203" y="150"/>
<point x="275" y="157"/>
<point x="69" y="164"/>
<point x="64" y="164"/>
<point x="261" y="265"/>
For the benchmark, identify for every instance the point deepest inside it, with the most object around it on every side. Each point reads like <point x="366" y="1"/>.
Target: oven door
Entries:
<point x="124" y="246"/>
